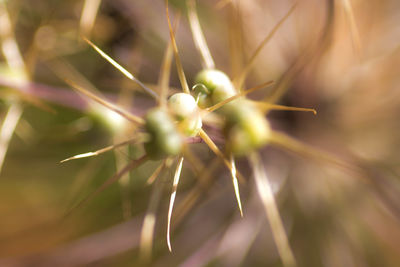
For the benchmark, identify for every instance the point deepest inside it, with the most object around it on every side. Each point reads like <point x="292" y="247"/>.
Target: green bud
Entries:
<point x="218" y="83"/>
<point x="246" y="128"/>
<point x="182" y="105"/>
<point x="111" y="120"/>
<point x="165" y="140"/>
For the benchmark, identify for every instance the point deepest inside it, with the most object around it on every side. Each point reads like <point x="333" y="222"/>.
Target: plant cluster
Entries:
<point x="213" y="112"/>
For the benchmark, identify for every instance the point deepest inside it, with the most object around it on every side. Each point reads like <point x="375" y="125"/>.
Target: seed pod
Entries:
<point x="218" y="83"/>
<point x="184" y="108"/>
<point x="164" y="137"/>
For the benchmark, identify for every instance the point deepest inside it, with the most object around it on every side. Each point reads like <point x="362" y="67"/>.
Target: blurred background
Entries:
<point x="340" y="57"/>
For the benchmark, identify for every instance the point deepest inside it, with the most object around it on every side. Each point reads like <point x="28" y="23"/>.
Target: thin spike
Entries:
<point x="205" y="179"/>
<point x="15" y="61"/>
<point x="308" y="54"/>
<point x="353" y="27"/>
<point x="9" y="45"/>
<point x="165" y="73"/>
<point x="236" y="36"/>
<point x="231" y="166"/>
<point x="132" y="165"/>
<point x="100" y="151"/>
<point x="88" y="17"/>
<point x="210" y="143"/>
<point x="82" y="178"/>
<point x="238" y="81"/>
<point x="156" y="173"/>
<point x="284" y="141"/>
<point x="214" y="148"/>
<point x="268" y="106"/>
<point x="287" y="78"/>
<point x="10" y="122"/>
<point x="172" y="200"/>
<point x="236" y="185"/>
<point x="113" y="107"/>
<point x="64" y="70"/>
<point x="198" y="36"/>
<point x="121" y="69"/>
<point x="238" y="95"/>
<point x="149" y="221"/>
<point x="194" y="161"/>
<point x="179" y="68"/>
<point x="267" y="197"/>
<point x="124" y="183"/>
<point x="33" y="100"/>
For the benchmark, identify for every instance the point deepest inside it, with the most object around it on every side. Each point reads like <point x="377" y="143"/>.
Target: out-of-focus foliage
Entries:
<point x="341" y="57"/>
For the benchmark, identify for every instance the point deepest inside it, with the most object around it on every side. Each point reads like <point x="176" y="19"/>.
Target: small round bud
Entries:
<point x="212" y="78"/>
<point x="182" y="105"/>
<point x="185" y="109"/>
<point x="218" y="83"/>
<point x="112" y="121"/>
<point x="246" y="128"/>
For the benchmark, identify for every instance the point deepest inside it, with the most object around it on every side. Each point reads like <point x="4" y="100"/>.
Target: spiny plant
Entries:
<point x="164" y="129"/>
